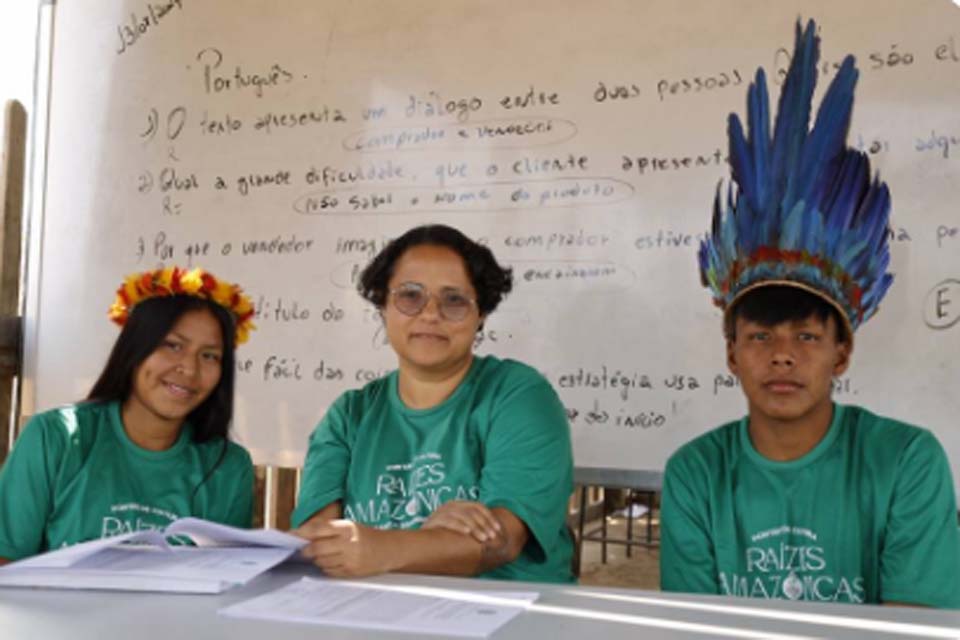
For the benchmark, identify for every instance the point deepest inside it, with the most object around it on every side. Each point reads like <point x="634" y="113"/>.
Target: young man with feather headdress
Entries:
<point x="804" y="498"/>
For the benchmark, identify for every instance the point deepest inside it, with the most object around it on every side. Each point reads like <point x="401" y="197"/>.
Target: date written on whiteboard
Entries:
<point x="142" y="23"/>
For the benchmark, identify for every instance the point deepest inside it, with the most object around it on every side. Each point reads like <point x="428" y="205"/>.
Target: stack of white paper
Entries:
<point x="145" y="561"/>
<point x="366" y="605"/>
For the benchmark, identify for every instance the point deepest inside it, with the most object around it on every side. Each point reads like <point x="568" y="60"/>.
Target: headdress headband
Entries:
<point x="805" y="212"/>
<point x="174" y="281"/>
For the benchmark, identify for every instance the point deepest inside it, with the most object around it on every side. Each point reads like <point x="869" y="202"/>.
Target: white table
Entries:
<point x="561" y="613"/>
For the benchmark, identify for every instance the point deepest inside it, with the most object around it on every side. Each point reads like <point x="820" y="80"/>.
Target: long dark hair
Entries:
<point x="149" y="323"/>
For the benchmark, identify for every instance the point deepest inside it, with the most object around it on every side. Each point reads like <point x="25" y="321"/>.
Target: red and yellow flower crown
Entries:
<point x="174" y="281"/>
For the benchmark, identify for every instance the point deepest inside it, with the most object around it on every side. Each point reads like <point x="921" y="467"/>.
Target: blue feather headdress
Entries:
<point x="806" y="211"/>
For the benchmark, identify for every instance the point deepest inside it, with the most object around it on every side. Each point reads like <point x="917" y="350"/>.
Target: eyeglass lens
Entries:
<point x="410" y="299"/>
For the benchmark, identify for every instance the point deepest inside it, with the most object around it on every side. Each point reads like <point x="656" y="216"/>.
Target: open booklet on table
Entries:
<point x="190" y="556"/>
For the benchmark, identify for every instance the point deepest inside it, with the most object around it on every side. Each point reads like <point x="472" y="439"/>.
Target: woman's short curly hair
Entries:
<point x="491" y="281"/>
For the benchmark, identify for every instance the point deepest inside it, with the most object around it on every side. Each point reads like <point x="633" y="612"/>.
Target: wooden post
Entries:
<point x="12" y="162"/>
<point x="274" y="496"/>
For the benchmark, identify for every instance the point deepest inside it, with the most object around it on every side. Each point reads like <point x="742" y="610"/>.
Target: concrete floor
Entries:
<point x="640" y="571"/>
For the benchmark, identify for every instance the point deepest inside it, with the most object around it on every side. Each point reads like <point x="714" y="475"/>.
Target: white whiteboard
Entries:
<point x="594" y="185"/>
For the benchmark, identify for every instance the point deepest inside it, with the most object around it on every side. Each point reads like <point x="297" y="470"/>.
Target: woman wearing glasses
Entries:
<point x="454" y="463"/>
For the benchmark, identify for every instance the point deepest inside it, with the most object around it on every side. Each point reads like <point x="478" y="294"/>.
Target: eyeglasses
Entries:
<point x="411" y="298"/>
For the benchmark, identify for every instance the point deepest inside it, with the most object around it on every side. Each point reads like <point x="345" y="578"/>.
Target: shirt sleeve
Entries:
<point x="528" y="463"/>
<point x="325" y="469"/>
<point x="687" y="558"/>
<point x="27" y="482"/>
<point x="920" y="557"/>
<point x="238" y="478"/>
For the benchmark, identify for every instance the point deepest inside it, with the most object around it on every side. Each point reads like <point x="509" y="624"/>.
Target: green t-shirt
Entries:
<point x="74" y="475"/>
<point x="869" y="515"/>
<point x="501" y="439"/>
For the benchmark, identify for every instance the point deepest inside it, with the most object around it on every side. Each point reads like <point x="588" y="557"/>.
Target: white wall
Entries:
<point x="18" y="32"/>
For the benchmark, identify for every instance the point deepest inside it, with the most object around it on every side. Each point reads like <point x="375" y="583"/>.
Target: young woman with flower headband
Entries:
<point x="150" y="443"/>
<point x="453" y="464"/>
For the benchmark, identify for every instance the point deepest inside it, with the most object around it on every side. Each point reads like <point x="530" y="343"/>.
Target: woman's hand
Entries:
<point x="459" y="538"/>
<point x="500" y="533"/>
<point x="469" y="518"/>
<point x="345" y="549"/>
